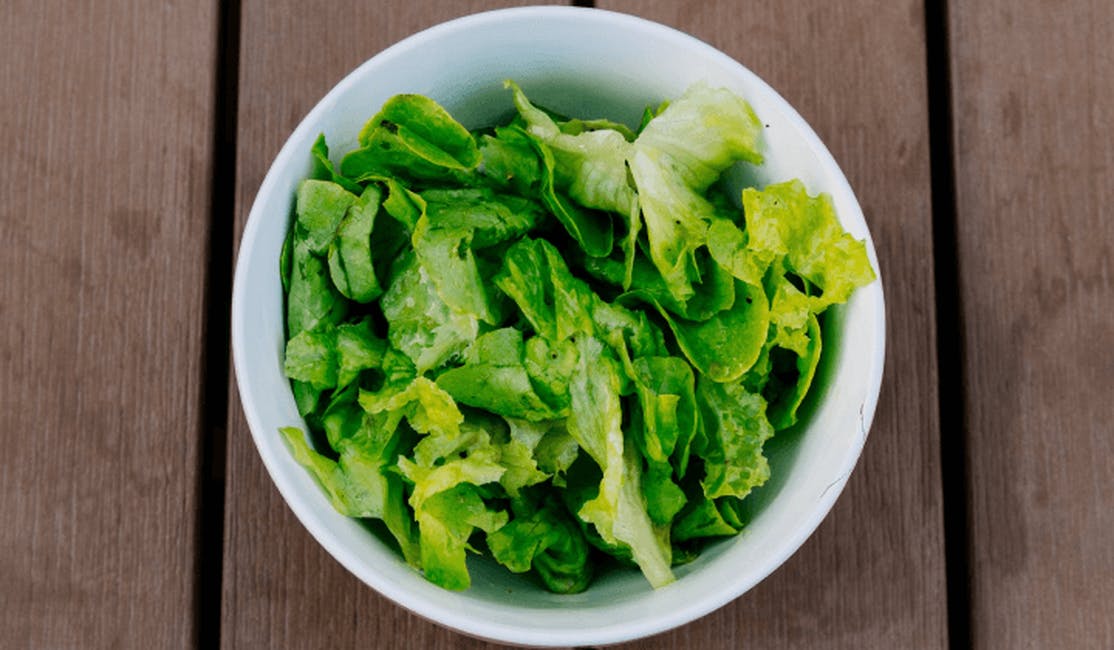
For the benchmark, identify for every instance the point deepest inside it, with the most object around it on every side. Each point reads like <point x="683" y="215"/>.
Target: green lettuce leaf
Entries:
<point x="588" y="164"/>
<point x="536" y="278"/>
<point x="323" y="168"/>
<point x="726" y="345"/>
<point x="509" y="162"/>
<point x="320" y="207"/>
<point x="673" y="162"/>
<point x="491" y="218"/>
<point x="413" y="137"/>
<point x="420" y="324"/>
<point x="312" y="299"/>
<point x="311" y="357"/>
<point x="494" y="378"/>
<point x="666" y="395"/>
<point x="703" y="132"/>
<point x="618" y="512"/>
<point x="445" y="254"/>
<point x="734" y="430"/>
<point x="546" y="540"/>
<point x="783" y="221"/>
<point x="789" y="382"/>
<point x="357" y="485"/>
<point x="350" y="259"/>
<point x="446" y="520"/>
<point x="701" y="518"/>
<point x="358" y="349"/>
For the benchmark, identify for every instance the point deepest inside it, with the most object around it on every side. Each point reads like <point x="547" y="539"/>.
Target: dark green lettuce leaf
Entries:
<point x="546" y="540"/>
<point x="790" y="380"/>
<point x="320" y="207"/>
<point x="509" y="162"/>
<point x="492" y="218"/>
<point x="420" y="324"/>
<point x="494" y="378"/>
<point x="726" y="345"/>
<point x="413" y="137"/>
<point x="312" y="299"/>
<point x="323" y="168"/>
<point x="350" y="259"/>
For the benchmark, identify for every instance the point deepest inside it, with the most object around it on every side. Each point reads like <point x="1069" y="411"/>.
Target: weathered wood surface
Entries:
<point x="107" y="113"/>
<point x="106" y="124"/>
<point x="1034" y="168"/>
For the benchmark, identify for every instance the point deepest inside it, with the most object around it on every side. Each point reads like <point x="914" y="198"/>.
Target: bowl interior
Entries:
<point x="583" y="63"/>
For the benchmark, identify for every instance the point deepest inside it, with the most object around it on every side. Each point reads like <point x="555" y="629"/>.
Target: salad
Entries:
<point x="560" y="342"/>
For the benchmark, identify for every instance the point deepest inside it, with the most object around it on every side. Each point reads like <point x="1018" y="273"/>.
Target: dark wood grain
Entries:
<point x="1033" y="109"/>
<point x="105" y="120"/>
<point x="281" y="589"/>
<point x="873" y="574"/>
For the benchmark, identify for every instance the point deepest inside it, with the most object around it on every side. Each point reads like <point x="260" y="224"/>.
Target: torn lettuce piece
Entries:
<point x="588" y="163"/>
<point x="550" y="367"/>
<point x="449" y="463"/>
<point x="665" y="387"/>
<point x="618" y="512"/>
<point x="312" y="299"/>
<point x="701" y="518"/>
<point x="320" y="206"/>
<point x="734" y="429"/>
<point x="546" y="540"/>
<point x="494" y="378"/>
<point x="413" y="137"/>
<point x="550" y="444"/>
<point x="492" y="218"/>
<point x="783" y="221"/>
<point x="357" y="485"/>
<point x="446" y="258"/>
<point x="790" y="378"/>
<point x="664" y="498"/>
<point x="703" y="132"/>
<point x="714" y="293"/>
<point x="592" y="229"/>
<point x="427" y="408"/>
<point x="420" y="324"/>
<point x="726" y="345"/>
<point x="675" y="217"/>
<point x="536" y="278"/>
<point x="358" y="349"/>
<point x="509" y="162"/>
<point x="677" y="155"/>
<point x="351" y="265"/>
<point x="727" y="245"/>
<point x="790" y="310"/>
<point x="325" y="170"/>
<point x="311" y="357"/>
<point x="445" y="521"/>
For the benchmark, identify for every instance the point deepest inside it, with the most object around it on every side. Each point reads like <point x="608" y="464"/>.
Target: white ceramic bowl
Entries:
<point x="581" y="62"/>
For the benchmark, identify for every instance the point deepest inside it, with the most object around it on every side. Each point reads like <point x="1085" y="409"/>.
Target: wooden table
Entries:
<point x="976" y="133"/>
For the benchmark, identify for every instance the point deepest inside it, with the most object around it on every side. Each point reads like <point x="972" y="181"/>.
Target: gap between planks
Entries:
<point x="216" y="367"/>
<point x="949" y="326"/>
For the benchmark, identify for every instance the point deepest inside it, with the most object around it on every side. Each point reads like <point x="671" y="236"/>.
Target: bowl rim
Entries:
<point x="447" y="616"/>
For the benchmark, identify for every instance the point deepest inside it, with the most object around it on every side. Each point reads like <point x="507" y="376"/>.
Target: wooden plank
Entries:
<point x="281" y="589"/>
<point x="1033" y="99"/>
<point x="873" y="574"/>
<point x="105" y="177"/>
